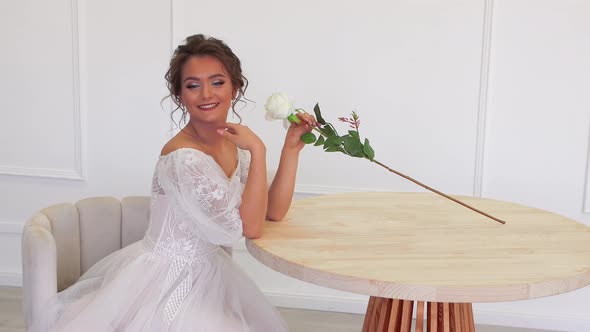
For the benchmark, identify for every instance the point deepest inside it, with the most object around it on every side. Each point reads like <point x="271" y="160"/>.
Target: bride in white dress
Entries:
<point x="209" y="189"/>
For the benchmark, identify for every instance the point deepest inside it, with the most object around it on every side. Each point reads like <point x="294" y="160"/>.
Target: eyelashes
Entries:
<point x="195" y="86"/>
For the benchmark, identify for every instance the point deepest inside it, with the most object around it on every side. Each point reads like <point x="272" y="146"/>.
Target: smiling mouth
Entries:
<point x="208" y="107"/>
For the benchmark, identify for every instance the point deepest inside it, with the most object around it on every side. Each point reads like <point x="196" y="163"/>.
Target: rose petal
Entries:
<point x="277" y="106"/>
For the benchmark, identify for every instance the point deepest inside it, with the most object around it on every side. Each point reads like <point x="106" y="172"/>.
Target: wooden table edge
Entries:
<point x="450" y="294"/>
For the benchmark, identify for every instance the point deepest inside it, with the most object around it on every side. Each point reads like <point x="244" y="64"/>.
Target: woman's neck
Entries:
<point x="205" y="134"/>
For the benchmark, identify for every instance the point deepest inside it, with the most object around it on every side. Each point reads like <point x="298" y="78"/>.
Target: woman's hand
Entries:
<point x="292" y="138"/>
<point x="242" y="137"/>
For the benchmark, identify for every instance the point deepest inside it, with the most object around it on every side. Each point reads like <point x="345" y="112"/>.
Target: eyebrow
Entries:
<point x="198" y="79"/>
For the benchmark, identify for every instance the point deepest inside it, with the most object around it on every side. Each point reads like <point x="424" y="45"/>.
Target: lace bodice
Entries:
<point x="194" y="205"/>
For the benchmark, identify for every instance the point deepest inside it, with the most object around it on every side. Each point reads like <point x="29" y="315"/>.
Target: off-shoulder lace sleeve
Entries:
<point x="202" y="194"/>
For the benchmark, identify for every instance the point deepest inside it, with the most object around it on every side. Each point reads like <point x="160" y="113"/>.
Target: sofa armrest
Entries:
<point x="39" y="263"/>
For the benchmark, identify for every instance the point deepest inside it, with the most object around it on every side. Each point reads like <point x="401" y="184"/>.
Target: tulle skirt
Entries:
<point x="131" y="290"/>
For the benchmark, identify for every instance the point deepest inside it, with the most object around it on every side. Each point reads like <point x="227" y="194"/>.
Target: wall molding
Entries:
<point x="53" y="173"/>
<point x="79" y="170"/>
<point x="176" y="27"/>
<point x="173" y="32"/>
<point x="11" y="279"/>
<point x="10" y="227"/>
<point x="79" y="81"/>
<point x="176" y="23"/>
<point x="482" y="106"/>
<point x="586" y="206"/>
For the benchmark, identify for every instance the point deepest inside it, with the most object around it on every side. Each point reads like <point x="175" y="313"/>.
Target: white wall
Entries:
<point x="485" y="98"/>
<point x="80" y="116"/>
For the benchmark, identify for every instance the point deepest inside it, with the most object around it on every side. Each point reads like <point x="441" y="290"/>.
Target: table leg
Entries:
<point x="390" y="315"/>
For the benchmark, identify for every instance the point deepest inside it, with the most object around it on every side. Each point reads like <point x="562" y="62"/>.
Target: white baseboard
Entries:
<point x="316" y="302"/>
<point x="569" y="323"/>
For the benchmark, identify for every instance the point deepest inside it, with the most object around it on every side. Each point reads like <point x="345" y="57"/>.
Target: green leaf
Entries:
<point x="318" y="114"/>
<point x="353" y="146"/>
<point x="368" y="150"/>
<point x="354" y="133"/>
<point x="332" y="141"/>
<point x="327" y="129"/>
<point x="334" y="149"/>
<point x="320" y="141"/>
<point x="308" y="138"/>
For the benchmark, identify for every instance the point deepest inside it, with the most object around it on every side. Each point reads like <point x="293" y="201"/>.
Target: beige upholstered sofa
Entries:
<point x="61" y="242"/>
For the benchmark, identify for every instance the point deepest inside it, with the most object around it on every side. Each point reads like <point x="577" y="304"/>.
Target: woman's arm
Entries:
<point x="281" y="190"/>
<point x="255" y="198"/>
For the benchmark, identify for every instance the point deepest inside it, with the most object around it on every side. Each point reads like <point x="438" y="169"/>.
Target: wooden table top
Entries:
<point x="420" y="246"/>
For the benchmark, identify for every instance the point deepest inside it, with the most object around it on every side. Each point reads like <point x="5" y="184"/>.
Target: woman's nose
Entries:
<point x="206" y="92"/>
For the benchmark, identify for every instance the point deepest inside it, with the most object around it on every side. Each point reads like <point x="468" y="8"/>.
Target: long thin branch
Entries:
<point x="422" y="184"/>
<point x="438" y="192"/>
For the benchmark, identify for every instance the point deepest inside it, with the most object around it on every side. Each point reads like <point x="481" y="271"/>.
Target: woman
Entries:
<point x="209" y="189"/>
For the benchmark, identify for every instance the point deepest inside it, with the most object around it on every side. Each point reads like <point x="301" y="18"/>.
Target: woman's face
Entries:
<point x="206" y="89"/>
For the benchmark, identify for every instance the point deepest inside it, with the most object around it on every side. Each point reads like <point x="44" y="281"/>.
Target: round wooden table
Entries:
<point x="402" y="248"/>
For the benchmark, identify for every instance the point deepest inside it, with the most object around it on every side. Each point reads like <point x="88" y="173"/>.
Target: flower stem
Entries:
<point x="319" y="131"/>
<point x="410" y="178"/>
<point x="438" y="192"/>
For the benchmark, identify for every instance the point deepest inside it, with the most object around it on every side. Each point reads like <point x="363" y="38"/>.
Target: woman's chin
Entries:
<point x="209" y="118"/>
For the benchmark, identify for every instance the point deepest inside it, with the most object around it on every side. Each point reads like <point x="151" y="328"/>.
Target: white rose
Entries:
<point x="277" y="107"/>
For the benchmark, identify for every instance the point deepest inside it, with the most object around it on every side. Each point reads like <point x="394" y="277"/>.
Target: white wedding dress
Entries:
<point x="179" y="277"/>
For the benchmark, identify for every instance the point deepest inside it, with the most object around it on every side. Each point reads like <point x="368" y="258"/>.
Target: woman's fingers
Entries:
<point x="229" y="131"/>
<point x="227" y="134"/>
<point x="308" y="122"/>
<point x="232" y="127"/>
<point x="240" y="135"/>
<point x="308" y="119"/>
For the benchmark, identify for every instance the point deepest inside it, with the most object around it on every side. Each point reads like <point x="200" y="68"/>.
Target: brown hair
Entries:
<point x="199" y="45"/>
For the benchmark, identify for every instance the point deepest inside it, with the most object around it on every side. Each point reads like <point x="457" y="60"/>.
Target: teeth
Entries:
<point x="208" y="106"/>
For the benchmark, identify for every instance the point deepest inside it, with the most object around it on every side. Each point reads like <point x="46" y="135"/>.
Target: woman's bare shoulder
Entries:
<point x="177" y="142"/>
